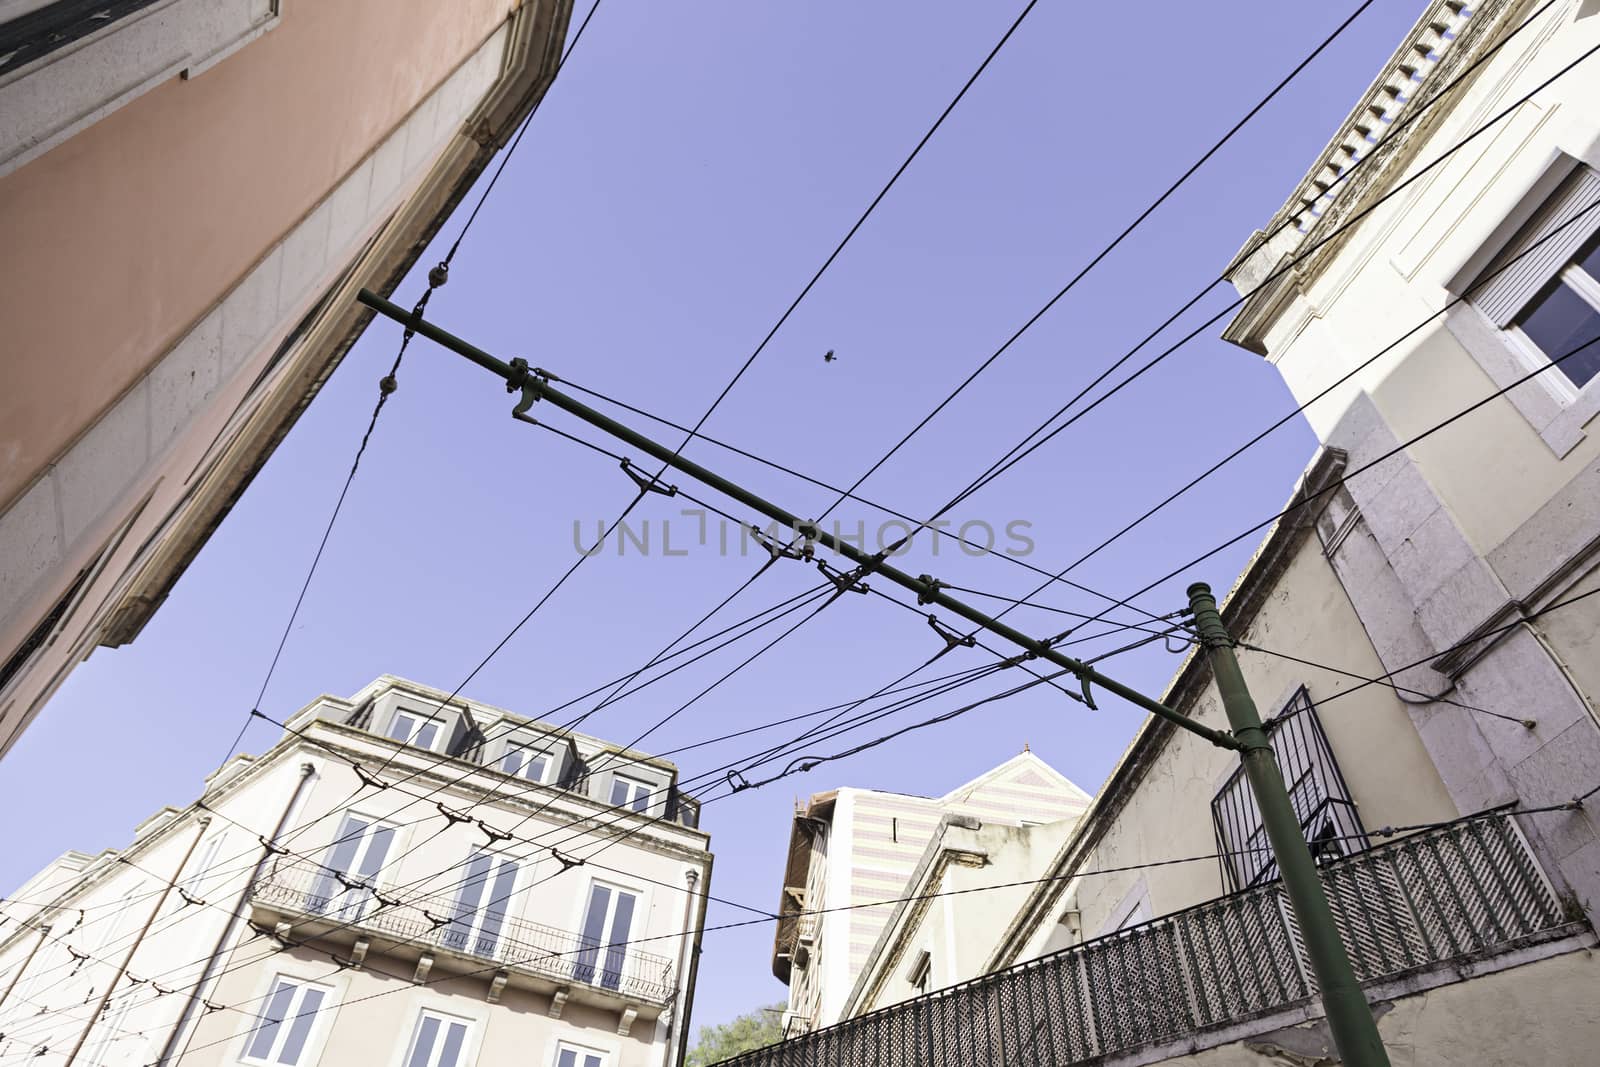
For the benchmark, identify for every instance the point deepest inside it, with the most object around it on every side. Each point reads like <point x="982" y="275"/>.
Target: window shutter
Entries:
<point x="1501" y="294"/>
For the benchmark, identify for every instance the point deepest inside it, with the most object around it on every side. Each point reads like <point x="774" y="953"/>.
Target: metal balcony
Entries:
<point x="1461" y="891"/>
<point x="319" y="906"/>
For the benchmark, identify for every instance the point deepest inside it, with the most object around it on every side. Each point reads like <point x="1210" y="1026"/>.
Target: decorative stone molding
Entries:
<point x="558" y="1001"/>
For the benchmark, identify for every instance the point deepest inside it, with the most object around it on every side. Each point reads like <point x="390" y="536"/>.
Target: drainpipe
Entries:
<point x="44" y="932"/>
<point x="122" y="969"/>
<point x="688" y="966"/>
<point x="170" y="1051"/>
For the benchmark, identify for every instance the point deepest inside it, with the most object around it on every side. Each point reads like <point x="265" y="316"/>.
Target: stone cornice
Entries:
<point x="1361" y="162"/>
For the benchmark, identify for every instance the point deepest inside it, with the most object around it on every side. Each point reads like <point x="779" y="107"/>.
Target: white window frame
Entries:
<point x="920" y="976"/>
<point x="497" y="863"/>
<point x="641" y="908"/>
<point x="311" y="1049"/>
<point x="1574" y="277"/>
<point x="117" y="920"/>
<point x="580" y="1052"/>
<point x="343" y="903"/>
<point x="1555" y="407"/>
<point x="421" y="718"/>
<point x="469" y="1050"/>
<point x="527" y="745"/>
<point x="633" y="786"/>
<point x="194" y="882"/>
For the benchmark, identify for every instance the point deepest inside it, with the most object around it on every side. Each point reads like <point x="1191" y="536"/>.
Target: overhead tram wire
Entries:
<point x="953" y="679"/>
<point x="1019" y="453"/>
<point x="1108" y="249"/>
<point x="1547" y="609"/>
<point x="404" y="982"/>
<point x="816" y="277"/>
<point x="693" y="431"/>
<point x="1349" y="474"/>
<point x="1074" y="280"/>
<point x="964" y="90"/>
<point x="1023" y="448"/>
<point x="827" y="263"/>
<point x="387" y="386"/>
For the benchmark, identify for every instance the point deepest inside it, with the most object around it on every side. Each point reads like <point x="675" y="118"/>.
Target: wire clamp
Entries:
<point x="494" y="836"/>
<point x="272" y="849"/>
<point x="368" y="778"/>
<point x="567" y="862"/>
<point x="776" y="550"/>
<point x="844" y="581"/>
<point x="453" y="817"/>
<point x="931" y="592"/>
<point x="950" y="637"/>
<point x="737" y="782"/>
<point x="386" y="902"/>
<point x="433" y="920"/>
<point x="210" y="1007"/>
<point x="647" y="485"/>
<point x="189" y="898"/>
<point x="160" y="990"/>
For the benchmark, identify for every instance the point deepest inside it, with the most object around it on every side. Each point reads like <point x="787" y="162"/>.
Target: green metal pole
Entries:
<point x="928" y="591"/>
<point x="1349" y="1017"/>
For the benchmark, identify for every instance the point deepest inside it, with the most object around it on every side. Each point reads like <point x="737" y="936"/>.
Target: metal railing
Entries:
<point x="432" y="922"/>
<point x="1420" y="900"/>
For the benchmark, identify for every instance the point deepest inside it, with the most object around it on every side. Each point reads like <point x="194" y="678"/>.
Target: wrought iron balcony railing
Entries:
<point x="422" y="923"/>
<point x="1463" y="889"/>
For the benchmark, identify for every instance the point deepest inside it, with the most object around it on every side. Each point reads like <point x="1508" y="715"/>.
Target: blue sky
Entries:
<point x="690" y="169"/>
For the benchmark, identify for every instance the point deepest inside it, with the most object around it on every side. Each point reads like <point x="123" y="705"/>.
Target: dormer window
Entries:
<point x="527" y="758"/>
<point x="415" y="728"/>
<point x="630" y="793"/>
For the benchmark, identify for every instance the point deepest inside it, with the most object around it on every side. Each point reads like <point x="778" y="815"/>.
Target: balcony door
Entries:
<point x="607" y="924"/>
<point x="350" y="866"/>
<point x="478" y="920"/>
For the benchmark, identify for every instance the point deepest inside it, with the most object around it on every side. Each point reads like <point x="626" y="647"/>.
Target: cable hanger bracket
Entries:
<point x="647" y="484"/>
<point x="951" y="639"/>
<point x="844" y="581"/>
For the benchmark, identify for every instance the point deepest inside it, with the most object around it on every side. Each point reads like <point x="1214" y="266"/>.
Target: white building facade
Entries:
<point x="403" y="879"/>
<point x="850" y="848"/>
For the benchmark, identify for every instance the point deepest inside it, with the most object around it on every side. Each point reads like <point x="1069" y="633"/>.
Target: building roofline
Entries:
<point x="1239" y="609"/>
<point x="1443" y="44"/>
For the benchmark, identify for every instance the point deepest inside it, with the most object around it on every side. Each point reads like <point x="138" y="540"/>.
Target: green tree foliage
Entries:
<point x="752" y="1030"/>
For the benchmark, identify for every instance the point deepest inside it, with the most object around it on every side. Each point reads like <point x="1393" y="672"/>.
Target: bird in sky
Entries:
<point x="828" y="356"/>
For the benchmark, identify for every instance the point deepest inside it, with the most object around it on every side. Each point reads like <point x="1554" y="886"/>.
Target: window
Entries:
<point x="117" y="921"/>
<point x="481" y="905"/>
<point x="1563" y="321"/>
<point x="606" y="925"/>
<point x="350" y="866"/>
<point x="415" y="728"/>
<point x="438" y="1041"/>
<point x="630" y="793"/>
<point x="573" y="1056"/>
<point x="110" y="1031"/>
<point x="524" y="758"/>
<point x="194" y="882"/>
<point x="921" y="973"/>
<point x="1543" y="288"/>
<point x="1317" y="792"/>
<point x="283" y="1028"/>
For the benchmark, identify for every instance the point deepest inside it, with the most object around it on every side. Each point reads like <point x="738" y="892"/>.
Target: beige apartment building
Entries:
<point x="403" y="879"/>
<point x="850" y="847"/>
<point x="191" y="193"/>
<point x="1417" y="628"/>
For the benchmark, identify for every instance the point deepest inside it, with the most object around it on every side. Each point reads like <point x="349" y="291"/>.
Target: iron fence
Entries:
<point x="1424" y="899"/>
<point x="306" y="889"/>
